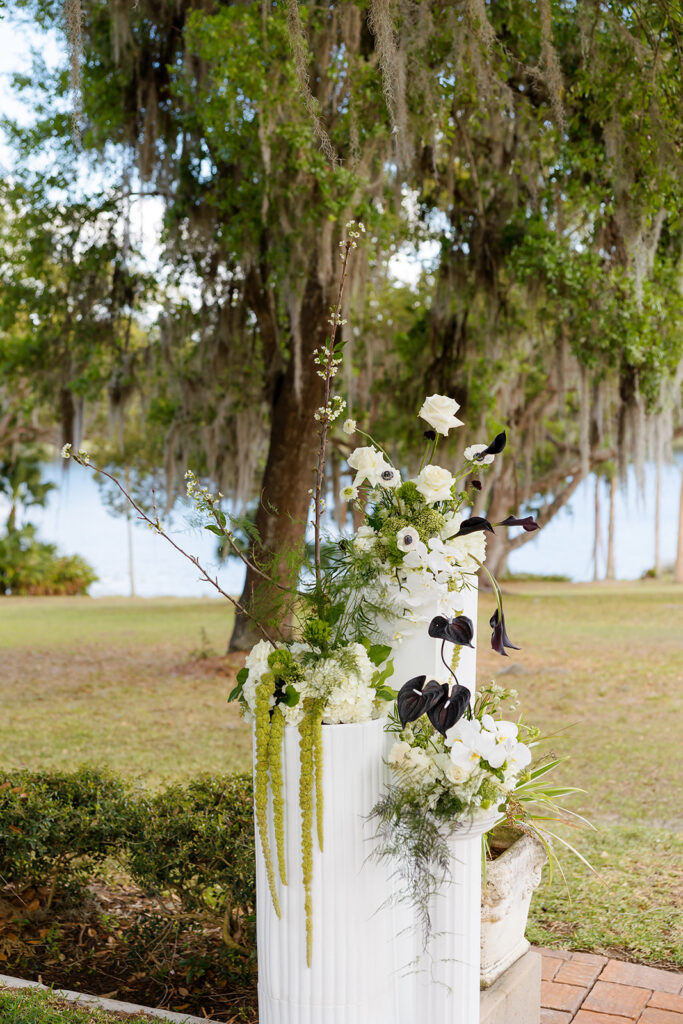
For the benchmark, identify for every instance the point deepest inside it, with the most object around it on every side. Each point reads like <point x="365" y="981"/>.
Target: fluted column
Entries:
<point x="350" y="979"/>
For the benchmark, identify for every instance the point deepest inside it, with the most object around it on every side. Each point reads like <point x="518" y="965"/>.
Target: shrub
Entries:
<point x="30" y="567"/>
<point x="57" y="826"/>
<point x="197" y="841"/>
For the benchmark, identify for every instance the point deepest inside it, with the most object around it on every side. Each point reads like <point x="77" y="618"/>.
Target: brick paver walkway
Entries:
<point x="590" y="989"/>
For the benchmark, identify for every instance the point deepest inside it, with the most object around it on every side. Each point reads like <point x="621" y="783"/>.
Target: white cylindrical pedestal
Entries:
<point x="417" y="654"/>
<point x="350" y="979"/>
<point x="441" y="983"/>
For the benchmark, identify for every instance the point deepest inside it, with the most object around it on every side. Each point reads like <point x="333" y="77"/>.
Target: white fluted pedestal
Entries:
<point x="440" y="983"/>
<point x="350" y="980"/>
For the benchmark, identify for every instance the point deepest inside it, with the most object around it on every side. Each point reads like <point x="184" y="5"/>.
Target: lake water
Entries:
<point x="77" y="521"/>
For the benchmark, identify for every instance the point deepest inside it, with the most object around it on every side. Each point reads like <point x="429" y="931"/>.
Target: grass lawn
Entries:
<point x="115" y="681"/>
<point x="31" y="1006"/>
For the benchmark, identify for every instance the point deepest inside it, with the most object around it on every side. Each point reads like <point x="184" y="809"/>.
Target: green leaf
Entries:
<point x="386" y="693"/>
<point x="291" y="696"/>
<point x="242" y="677"/>
<point x="377" y="653"/>
<point x="212" y="528"/>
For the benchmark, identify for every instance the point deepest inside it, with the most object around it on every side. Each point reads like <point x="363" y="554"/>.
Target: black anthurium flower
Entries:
<point x="495" y="448"/>
<point x="499" y="638"/>
<point x="430" y="435"/>
<point x="476" y="484"/>
<point x="473" y="524"/>
<point x="415" y="697"/>
<point x="459" y="630"/>
<point x="450" y="707"/>
<point x="528" y="523"/>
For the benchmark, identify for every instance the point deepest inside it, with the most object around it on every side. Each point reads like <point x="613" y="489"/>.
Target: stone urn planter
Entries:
<point x="511" y="878"/>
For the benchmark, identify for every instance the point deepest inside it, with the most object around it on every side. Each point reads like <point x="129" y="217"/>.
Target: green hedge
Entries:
<point x="195" y="841"/>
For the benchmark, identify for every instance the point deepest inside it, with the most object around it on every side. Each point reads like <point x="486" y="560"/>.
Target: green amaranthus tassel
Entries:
<point x="264" y="691"/>
<point x="317" y="732"/>
<point x="306" y="806"/>
<point x="455" y="657"/>
<point x="277" y="733"/>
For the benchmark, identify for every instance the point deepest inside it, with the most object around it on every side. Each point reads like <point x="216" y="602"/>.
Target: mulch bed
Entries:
<point x="119" y="943"/>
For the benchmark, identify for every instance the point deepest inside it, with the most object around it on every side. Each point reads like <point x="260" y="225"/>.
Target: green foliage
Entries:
<point x="29" y="566"/>
<point x="196" y="840"/>
<point x="58" y="826"/>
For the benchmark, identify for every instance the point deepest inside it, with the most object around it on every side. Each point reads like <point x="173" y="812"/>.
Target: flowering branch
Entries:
<point x="332" y="407"/>
<point x="83" y="459"/>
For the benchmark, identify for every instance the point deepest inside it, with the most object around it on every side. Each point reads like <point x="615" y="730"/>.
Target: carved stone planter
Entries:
<point x="510" y="882"/>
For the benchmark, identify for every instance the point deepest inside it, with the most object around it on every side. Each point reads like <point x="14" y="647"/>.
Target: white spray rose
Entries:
<point x="439" y="412"/>
<point x="369" y="465"/>
<point x="435" y="483"/>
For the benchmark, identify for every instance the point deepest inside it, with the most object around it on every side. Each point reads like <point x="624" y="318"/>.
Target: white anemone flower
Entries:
<point x="389" y="477"/>
<point x="407" y="538"/>
<point x="471" y="453"/>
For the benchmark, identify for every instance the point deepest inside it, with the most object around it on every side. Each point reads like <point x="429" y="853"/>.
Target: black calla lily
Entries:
<point x="450" y="707"/>
<point x="499" y="638"/>
<point x="414" y="698"/>
<point x="495" y="448"/>
<point x="459" y="630"/>
<point x="528" y="523"/>
<point x="473" y="524"/>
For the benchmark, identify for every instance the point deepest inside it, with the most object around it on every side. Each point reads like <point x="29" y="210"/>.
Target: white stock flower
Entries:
<point x="439" y="412"/>
<point x="349" y="427"/>
<point x="368" y="463"/>
<point x="365" y="538"/>
<point x="348" y="493"/>
<point x="257" y="659"/>
<point x="477" y="449"/>
<point x="434" y="483"/>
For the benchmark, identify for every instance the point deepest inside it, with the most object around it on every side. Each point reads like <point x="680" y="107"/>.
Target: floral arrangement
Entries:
<point x="414" y="548"/>
<point x="415" y="543"/>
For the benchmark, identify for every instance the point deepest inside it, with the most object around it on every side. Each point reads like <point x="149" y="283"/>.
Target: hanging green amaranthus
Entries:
<point x="306" y="762"/>
<point x="264" y="691"/>
<point x="317" y="734"/>
<point x="277" y="733"/>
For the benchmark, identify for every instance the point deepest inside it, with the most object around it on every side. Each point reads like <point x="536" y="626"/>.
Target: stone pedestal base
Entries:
<point x="515" y="998"/>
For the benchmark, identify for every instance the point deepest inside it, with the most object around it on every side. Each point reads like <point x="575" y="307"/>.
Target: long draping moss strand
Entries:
<point x="277" y="734"/>
<point x="264" y="691"/>
<point x="306" y="807"/>
<point x="317" y="736"/>
<point x="455" y="657"/>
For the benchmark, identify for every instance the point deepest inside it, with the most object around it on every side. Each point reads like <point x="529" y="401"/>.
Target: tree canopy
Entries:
<point x="537" y="146"/>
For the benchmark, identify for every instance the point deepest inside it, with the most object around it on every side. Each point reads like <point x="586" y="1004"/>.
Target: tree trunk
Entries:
<point x="502" y="502"/>
<point x="597" y="537"/>
<point x="288" y="477"/>
<point x="678" y="569"/>
<point x="611" y="571"/>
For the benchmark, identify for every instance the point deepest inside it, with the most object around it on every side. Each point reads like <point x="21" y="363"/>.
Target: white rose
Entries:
<point x="439" y="412"/>
<point x="477" y="449"/>
<point x="435" y="484"/>
<point x="369" y="465"/>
